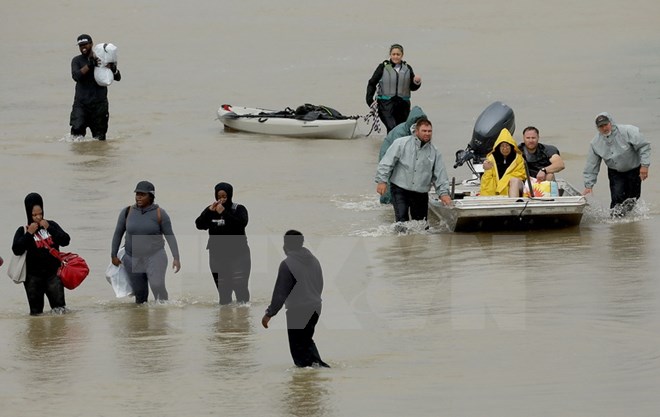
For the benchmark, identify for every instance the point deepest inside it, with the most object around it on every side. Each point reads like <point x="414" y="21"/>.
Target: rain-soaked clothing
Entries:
<point x="495" y="181"/>
<point x="403" y="129"/>
<point x="41" y="267"/>
<point x="624" y="151"/>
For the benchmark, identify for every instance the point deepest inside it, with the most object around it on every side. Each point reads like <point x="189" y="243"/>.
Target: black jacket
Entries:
<point x="87" y="90"/>
<point x="39" y="261"/>
<point x="226" y="231"/>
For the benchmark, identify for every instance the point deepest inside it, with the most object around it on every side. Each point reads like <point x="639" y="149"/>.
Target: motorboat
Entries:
<point x="471" y="212"/>
<point x="306" y="121"/>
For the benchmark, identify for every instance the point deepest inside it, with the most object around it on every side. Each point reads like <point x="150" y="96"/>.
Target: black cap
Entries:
<point x="145" y="187"/>
<point x="83" y="39"/>
<point x="602" y="120"/>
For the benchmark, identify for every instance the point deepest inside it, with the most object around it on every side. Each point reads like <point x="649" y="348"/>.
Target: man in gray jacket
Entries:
<point x="412" y="165"/>
<point x="627" y="155"/>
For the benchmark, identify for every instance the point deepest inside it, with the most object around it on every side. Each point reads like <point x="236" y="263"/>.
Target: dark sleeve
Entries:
<point x="22" y="241"/>
<point x="283" y="286"/>
<point x="413" y="86"/>
<point x="120" y="228"/>
<point x="203" y="222"/>
<point x="76" y="67"/>
<point x="168" y="232"/>
<point x="60" y="237"/>
<point x="372" y="85"/>
<point x="238" y="217"/>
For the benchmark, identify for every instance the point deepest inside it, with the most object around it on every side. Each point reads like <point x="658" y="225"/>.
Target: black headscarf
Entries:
<point x="31" y="200"/>
<point x="226" y="187"/>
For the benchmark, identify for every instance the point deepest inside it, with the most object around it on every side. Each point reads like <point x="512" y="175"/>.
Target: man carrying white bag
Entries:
<point x="90" y="103"/>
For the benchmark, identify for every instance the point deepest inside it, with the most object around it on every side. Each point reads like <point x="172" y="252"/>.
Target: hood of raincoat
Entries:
<point x="491" y="183"/>
<point x="505" y="136"/>
<point x="609" y="116"/>
<point x="401" y="130"/>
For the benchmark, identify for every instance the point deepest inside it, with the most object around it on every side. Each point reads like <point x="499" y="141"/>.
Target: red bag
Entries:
<point x="73" y="270"/>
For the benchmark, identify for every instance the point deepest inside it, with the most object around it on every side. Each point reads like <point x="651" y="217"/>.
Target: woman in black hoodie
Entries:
<point x="229" y="253"/>
<point x="41" y="267"/>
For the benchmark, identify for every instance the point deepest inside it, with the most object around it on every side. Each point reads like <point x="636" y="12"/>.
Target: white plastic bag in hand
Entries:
<point x="118" y="277"/>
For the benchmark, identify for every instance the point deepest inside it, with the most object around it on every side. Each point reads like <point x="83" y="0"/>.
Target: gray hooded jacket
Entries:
<point x="623" y="149"/>
<point x="299" y="283"/>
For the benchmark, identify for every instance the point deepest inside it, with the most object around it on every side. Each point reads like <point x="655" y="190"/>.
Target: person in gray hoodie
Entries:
<point x="403" y="129"/>
<point x="299" y="286"/>
<point x="627" y="155"/>
<point x="145" y="224"/>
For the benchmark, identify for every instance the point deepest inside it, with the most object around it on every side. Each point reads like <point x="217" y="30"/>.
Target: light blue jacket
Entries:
<point x="413" y="167"/>
<point x="624" y="149"/>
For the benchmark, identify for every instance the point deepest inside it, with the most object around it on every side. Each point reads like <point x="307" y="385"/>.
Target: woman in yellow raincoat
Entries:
<point x="504" y="168"/>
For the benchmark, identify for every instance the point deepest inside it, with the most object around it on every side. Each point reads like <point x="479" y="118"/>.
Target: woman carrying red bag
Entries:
<point x="41" y="267"/>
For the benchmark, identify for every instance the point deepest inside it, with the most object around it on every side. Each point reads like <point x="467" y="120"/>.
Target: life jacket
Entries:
<point x="394" y="83"/>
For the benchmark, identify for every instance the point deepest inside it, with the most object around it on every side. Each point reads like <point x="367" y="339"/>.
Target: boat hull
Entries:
<point x="470" y="213"/>
<point x="281" y="126"/>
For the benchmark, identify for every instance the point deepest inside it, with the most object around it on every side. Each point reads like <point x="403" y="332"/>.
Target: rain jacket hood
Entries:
<point x="491" y="183"/>
<point x="401" y="130"/>
<point x="609" y="116"/>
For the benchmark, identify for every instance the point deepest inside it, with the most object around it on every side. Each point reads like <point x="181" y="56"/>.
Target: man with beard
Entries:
<point x="90" y="103"/>
<point x="627" y="155"/>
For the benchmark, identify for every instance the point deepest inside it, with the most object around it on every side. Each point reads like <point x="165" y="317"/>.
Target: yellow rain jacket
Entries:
<point x="491" y="183"/>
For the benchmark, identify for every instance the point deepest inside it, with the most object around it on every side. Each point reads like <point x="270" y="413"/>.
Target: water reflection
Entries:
<point x="628" y="281"/>
<point x="50" y="334"/>
<point x="52" y="343"/>
<point x="230" y="342"/>
<point x="308" y="393"/>
<point x="146" y="339"/>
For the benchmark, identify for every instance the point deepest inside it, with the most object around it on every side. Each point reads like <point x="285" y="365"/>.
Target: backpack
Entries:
<point x="158" y="215"/>
<point x="310" y="112"/>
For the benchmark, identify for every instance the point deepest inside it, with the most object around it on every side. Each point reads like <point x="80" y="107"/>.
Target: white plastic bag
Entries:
<point x="106" y="53"/>
<point x="118" y="277"/>
<point x="103" y="76"/>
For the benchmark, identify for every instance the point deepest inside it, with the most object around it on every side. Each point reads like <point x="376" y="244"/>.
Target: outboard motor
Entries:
<point x="487" y="128"/>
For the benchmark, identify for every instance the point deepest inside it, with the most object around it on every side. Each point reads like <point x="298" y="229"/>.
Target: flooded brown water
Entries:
<point x="551" y="323"/>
